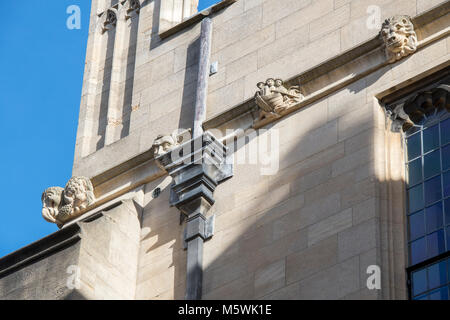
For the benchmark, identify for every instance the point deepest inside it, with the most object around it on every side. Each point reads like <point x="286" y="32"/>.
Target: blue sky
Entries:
<point x="203" y="4"/>
<point x="41" y="75"/>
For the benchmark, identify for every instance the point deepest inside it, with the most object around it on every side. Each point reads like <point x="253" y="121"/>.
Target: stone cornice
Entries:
<point x="67" y="236"/>
<point x="39" y="249"/>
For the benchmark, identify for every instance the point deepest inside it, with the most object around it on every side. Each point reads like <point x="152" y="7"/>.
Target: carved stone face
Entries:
<point x="270" y="82"/>
<point x="134" y="4"/>
<point x="163" y="144"/>
<point x="78" y="193"/>
<point x="278" y="83"/>
<point x="399" y="37"/>
<point x="61" y="205"/>
<point x="51" y="199"/>
<point x="111" y="17"/>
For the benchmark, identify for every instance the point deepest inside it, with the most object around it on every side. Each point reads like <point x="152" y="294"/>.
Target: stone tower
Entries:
<point x="252" y="150"/>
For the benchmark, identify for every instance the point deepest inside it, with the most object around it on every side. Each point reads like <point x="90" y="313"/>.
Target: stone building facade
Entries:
<point x="307" y="114"/>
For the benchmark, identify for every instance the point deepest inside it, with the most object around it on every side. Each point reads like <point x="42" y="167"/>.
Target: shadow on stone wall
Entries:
<point x="129" y="78"/>
<point x="311" y="230"/>
<point x="106" y="85"/>
<point x="163" y="262"/>
<point x="308" y="232"/>
<point x="190" y="86"/>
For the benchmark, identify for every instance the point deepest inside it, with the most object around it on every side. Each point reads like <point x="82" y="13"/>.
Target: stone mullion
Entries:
<point x="114" y="121"/>
<point x="90" y="89"/>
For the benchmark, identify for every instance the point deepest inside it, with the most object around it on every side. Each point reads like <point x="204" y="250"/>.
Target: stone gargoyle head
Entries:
<point x="61" y="205"/>
<point x="399" y="37"/>
<point x="51" y="199"/>
<point x="164" y="144"/>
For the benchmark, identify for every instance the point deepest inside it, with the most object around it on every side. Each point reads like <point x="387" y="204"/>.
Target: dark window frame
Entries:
<point x="419" y="130"/>
<point x="390" y="102"/>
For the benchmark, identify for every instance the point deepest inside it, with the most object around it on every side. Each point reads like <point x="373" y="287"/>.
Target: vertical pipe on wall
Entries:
<point x="194" y="277"/>
<point x="203" y="75"/>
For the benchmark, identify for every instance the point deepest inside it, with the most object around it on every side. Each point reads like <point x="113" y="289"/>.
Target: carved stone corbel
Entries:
<point x="131" y="6"/>
<point x="273" y="98"/>
<point x="108" y="19"/>
<point x="164" y="144"/>
<point x="399" y="37"/>
<point x="419" y="107"/>
<point x="60" y="205"/>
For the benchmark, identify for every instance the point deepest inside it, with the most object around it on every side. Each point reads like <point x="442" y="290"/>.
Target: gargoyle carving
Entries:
<point x="420" y="107"/>
<point x="61" y="205"/>
<point x="108" y="19"/>
<point x="51" y="199"/>
<point x="273" y="98"/>
<point x="399" y="37"/>
<point x="131" y="6"/>
<point x="164" y="144"/>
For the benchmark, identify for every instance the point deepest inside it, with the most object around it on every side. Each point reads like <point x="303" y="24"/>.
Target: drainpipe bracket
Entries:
<point x="206" y="231"/>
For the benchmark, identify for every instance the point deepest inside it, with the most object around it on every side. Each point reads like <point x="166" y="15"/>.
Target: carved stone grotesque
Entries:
<point x="61" y="205"/>
<point x="420" y="107"/>
<point x="399" y="37"/>
<point x="108" y="19"/>
<point x="164" y="144"/>
<point x="51" y="199"/>
<point x="131" y="6"/>
<point x="273" y="98"/>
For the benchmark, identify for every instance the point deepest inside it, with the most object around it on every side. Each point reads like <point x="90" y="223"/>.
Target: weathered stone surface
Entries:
<point x="273" y="98"/>
<point x="62" y="205"/>
<point x="399" y="37"/>
<point x="335" y="202"/>
<point x="270" y="278"/>
<point x="357" y="239"/>
<point x="317" y="257"/>
<point x="340" y="281"/>
<point x="91" y="259"/>
<point x="46" y="278"/>
<point x="330" y="226"/>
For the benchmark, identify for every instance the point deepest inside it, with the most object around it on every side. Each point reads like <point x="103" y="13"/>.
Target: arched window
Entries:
<point x="425" y="120"/>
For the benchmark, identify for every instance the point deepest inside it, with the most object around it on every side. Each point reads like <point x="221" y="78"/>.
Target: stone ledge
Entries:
<point x="121" y="168"/>
<point x="69" y="234"/>
<point x="40" y="249"/>
<point x="371" y="49"/>
<point x="371" y="46"/>
<point x="91" y="215"/>
<point x="402" y="94"/>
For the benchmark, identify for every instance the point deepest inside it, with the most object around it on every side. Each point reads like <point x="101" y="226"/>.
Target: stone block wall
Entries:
<point x="252" y="40"/>
<point x="310" y="230"/>
<point x="95" y="258"/>
<point x="45" y="277"/>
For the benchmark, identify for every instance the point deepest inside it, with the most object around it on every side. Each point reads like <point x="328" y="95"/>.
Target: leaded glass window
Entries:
<point x="432" y="281"/>
<point x="428" y="206"/>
